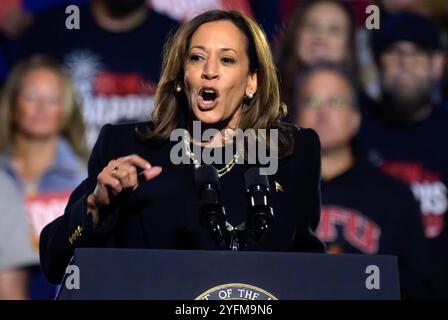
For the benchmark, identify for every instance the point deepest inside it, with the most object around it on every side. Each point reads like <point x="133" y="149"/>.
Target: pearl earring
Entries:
<point x="178" y="88"/>
<point x="249" y="96"/>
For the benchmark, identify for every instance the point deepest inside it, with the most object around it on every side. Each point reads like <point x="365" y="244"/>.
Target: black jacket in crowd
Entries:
<point x="365" y="211"/>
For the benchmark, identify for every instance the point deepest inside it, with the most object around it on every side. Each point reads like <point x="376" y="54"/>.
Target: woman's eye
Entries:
<point x="311" y="26"/>
<point x="29" y="96"/>
<point x="336" y="30"/>
<point x="55" y="99"/>
<point x="194" y="57"/>
<point x="228" y="60"/>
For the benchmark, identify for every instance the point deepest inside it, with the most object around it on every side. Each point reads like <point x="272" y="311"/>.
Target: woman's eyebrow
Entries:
<point x="222" y="49"/>
<point x="229" y="49"/>
<point x="198" y="47"/>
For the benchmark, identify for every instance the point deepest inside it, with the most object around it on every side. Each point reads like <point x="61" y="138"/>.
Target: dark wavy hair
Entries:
<point x="264" y="111"/>
<point x="289" y="64"/>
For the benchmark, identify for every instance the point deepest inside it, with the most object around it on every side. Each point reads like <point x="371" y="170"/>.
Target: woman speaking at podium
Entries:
<point x="218" y="72"/>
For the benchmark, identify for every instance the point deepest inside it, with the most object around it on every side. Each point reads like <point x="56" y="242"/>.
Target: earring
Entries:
<point x="249" y="96"/>
<point x="178" y="88"/>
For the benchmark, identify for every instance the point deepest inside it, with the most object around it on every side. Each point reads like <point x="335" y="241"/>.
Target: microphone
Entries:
<point x="212" y="214"/>
<point x="260" y="215"/>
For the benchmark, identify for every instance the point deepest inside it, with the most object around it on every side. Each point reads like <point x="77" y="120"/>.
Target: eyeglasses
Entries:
<point x="334" y="102"/>
<point x="33" y="97"/>
<point x="399" y="52"/>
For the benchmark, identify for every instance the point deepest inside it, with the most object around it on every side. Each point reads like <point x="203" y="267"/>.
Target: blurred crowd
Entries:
<point x="378" y="99"/>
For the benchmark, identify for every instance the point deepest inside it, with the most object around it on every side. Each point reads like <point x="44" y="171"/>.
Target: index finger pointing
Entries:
<point x="138" y="161"/>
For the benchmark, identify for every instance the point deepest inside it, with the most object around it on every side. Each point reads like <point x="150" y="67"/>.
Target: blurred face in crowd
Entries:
<point x="39" y="105"/>
<point x="217" y="74"/>
<point x="325" y="104"/>
<point x="324" y="34"/>
<point x="406" y="77"/>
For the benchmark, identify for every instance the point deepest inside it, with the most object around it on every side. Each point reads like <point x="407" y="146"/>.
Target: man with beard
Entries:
<point x="114" y="57"/>
<point x="404" y="133"/>
<point x="361" y="206"/>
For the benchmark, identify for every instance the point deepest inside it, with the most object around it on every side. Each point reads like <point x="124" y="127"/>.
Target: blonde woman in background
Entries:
<point x="41" y="145"/>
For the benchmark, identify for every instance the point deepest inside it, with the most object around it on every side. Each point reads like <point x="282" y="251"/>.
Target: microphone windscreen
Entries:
<point x="256" y="176"/>
<point x="206" y="174"/>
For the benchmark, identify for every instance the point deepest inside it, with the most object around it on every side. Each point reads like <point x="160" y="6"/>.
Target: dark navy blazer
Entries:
<point x="163" y="213"/>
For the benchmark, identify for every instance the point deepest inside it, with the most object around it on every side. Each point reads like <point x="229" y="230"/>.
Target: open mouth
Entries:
<point x="208" y="94"/>
<point x="207" y="98"/>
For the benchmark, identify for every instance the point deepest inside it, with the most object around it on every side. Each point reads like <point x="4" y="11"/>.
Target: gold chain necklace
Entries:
<point x="197" y="164"/>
